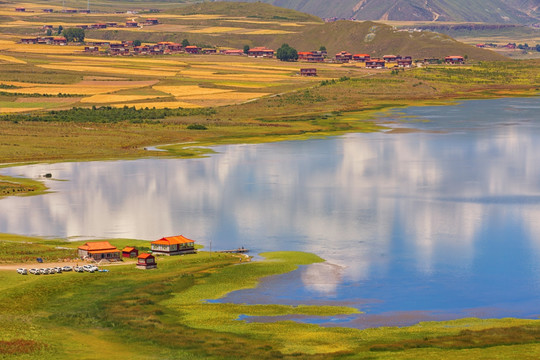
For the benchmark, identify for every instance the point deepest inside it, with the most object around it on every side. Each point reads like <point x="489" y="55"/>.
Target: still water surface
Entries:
<point x="438" y="223"/>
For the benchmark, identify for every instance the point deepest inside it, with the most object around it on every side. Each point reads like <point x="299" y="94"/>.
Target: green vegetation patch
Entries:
<point x="108" y="114"/>
<point x="19" y="186"/>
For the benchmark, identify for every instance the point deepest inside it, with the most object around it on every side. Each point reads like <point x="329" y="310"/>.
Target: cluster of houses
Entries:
<point x="103" y="250"/>
<point x="127" y="24"/>
<point x="49" y="10"/>
<point x="166" y="47"/>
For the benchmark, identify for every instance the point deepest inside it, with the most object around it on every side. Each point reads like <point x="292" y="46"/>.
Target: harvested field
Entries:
<point x="223" y="98"/>
<point x="112" y="98"/>
<point x="160" y="105"/>
<point x="216" y="30"/>
<point x="189" y="90"/>
<point x="197" y="74"/>
<point x="266" y="32"/>
<point x="6" y="110"/>
<point x="264" y="22"/>
<point x="40" y="49"/>
<point x="109" y="70"/>
<point x="240" y="68"/>
<point x="11" y="59"/>
<point x="81" y="88"/>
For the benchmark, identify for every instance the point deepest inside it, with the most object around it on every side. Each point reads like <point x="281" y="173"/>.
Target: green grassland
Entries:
<point x="163" y="313"/>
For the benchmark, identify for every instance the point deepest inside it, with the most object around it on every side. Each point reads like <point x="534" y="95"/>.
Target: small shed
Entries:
<point x="146" y="261"/>
<point x="130" y="252"/>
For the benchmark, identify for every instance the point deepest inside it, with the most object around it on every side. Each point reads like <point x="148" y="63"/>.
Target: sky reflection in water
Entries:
<point x="434" y="224"/>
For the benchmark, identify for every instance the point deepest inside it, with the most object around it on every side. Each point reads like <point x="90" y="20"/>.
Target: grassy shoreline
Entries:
<point x="143" y="314"/>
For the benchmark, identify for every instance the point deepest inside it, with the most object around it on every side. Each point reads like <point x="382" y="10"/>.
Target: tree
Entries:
<point x="49" y="32"/>
<point x="322" y="48"/>
<point x="137" y="42"/>
<point x="246" y="49"/>
<point x="287" y="53"/>
<point x="74" y="34"/>
<point x="60" y="28"/>
<point x="185" y="43"/>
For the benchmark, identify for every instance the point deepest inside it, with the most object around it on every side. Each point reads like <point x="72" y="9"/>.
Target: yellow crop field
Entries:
<point x="241" y="68"/>
<point x="232" y="97"/>
<point x="216" y="30"/>
<point x="266" y="32"/>
<point x="11" y="59"/>
<point x="247" y="85"/>
<point x="187" y="90"/>
<point x="113" y="98"/>
<point x="109" y="70"/>
<point x="160" y="105"/>
<point x="6" y="110"/>
<point x="119" y="60"/>
<point x="265" y="22"/>
<point x="40" y="49"/>
<point x="82" y="88"/>
<point x="197" y="74"/>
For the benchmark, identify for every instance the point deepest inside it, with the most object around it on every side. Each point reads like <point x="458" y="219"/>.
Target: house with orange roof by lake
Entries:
<point x="130" y="252"/>
<point x="146" y="261"/>
<point x="99" y="250"/>
<point x="173" y="245"/>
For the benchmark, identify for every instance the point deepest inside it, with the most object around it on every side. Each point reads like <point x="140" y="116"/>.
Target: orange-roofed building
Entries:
<point x="99" y="250"/>
<point x="361" y="57"/>
<point x="146" y="261"/>
<point x="130" y="252"/>
<point x="173" y="245"/>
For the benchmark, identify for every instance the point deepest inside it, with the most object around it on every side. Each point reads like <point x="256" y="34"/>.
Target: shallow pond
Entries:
<point x="438" y="223"/>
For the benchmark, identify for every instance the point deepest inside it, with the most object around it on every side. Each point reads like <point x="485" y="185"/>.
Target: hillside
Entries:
<point x="493" y="11"/>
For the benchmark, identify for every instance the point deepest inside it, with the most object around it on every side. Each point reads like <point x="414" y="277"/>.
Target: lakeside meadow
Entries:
<point x="58" y="104"/>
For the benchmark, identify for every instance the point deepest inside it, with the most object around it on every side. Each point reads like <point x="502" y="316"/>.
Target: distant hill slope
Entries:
<point x="234" y="25"/>
<point x="493" y="11"/>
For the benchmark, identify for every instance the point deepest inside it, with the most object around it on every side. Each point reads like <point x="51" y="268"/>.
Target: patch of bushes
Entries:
<point x="108" y="114"/>
<point x="196" y="127"/>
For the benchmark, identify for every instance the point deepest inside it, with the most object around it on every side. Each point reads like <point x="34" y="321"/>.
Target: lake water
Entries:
<point x="439" y="223"/>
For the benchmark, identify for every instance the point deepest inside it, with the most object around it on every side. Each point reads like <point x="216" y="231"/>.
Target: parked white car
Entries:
<point x="67" y="268"/>
<point x="34" y="271"/>
<point x="22" y="271"/>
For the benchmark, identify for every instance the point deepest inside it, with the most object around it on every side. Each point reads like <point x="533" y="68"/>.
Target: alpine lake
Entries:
<point x="436" y="219"/>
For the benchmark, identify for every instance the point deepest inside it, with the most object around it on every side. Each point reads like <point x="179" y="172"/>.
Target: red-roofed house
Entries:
<point x="344" y="57"/>
<point x="236" y="52"/>
<point x="311" y="56"/>
<point x="454" y="60"/>
<point x="390" y="58"/>
<point x="146" y="261"/>
<point x="59" y="40"/>
<point x="375" y="64"/>
<point x="132" y="24"/>
<point x="173" y="245"/>
<point x="361" y="57"/>
<point x="99" y="250"/>
<point x="151" y="22"/>
<point x="192" y="49"/>
<point x="129" y="252"/>
<point x="261" y="51"/>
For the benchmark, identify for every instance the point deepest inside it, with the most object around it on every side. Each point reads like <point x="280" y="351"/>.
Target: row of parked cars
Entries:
<point x="58" y="270"/>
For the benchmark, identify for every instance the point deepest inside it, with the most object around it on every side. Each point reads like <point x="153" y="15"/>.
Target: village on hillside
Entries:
<point x="135" y="48"/>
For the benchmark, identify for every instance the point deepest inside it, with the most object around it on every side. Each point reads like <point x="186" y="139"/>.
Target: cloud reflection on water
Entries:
<point x="376" y="205"/>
